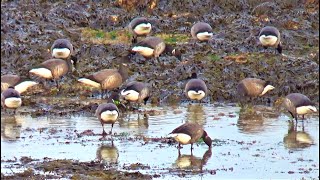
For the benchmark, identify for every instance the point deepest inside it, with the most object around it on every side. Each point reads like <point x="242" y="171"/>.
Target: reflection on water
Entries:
<point x="250" y="121"/>
<point x="255" y="119"/>
<point x="195" y="113"/>
<point x="192" y="162"/>
<point x="11" y="127"/>
<point x="107" y="153"/>
<point x="295" y="139"/>
<point x="249" y="144"/>
<point x="134" y="120"/>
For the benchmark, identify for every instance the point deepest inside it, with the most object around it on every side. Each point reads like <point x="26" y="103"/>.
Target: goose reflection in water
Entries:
<point x="134" y="121"/>
<point x="195" y="113"/>
<point x="108" y="153"/>
<point x="297" y="139"/>
<point x="11" y="127"/>
<point x="187" y="161"/>
<point x="256" y="120"/>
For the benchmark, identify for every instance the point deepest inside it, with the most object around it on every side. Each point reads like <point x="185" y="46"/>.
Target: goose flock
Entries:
<point x="150" y="47"/>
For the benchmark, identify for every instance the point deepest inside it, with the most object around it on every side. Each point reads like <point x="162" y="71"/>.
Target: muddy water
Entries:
<point x="262" y="145"/>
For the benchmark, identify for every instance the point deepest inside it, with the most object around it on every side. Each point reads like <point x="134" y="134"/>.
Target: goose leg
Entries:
<point x="191" y="148"/>
<point x="102" y="92"/>
<point x="111" y="129"/>
<point x="138" y="106"/>
<point x="57" y="84"/>
<point x="134" y="39"/>
<point x="103" y="131"/>
<point x="158" y="60"/>
<point x="265" y="49"/>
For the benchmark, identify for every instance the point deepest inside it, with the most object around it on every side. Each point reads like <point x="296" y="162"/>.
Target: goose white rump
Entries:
<point x="268" y="40"/>
<point x="181" y="138"/>
<point x="130" y="95"/>
<point x="12" y="102"/>
<point x="61" y="52"/>
<point x="193" y="95"/>
<point x="144" y="51"/>
<point x="109" y="116"/>
<point x="142" y="29"/>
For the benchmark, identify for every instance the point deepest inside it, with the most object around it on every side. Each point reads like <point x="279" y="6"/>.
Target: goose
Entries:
<point x="107" y="113"/>
<point x="20" y="84"/>
<point x="136" y="92"/>
<point x="154" y="47"/>
<point x="107" y="79"/>
<point x="269" y="36"/>
<point x="195" y="89"/>
<point x="51" y="69"/>
<point x="61" y="49"/>
<point x="139" y="26"/>
<point x="10" y="99"/>
<point x="298" y="104"/>
<point x="253" y="87"/>
<point x="190" y="133"/>
<point x="201" y="31"/>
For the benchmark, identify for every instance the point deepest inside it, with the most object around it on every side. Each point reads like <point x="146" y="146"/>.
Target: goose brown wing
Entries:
<point x="100" y="76"/>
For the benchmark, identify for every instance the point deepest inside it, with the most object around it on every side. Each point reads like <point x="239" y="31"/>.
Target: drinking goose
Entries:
<point x="298" y="104"/>
<point x="190" y="133"/>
